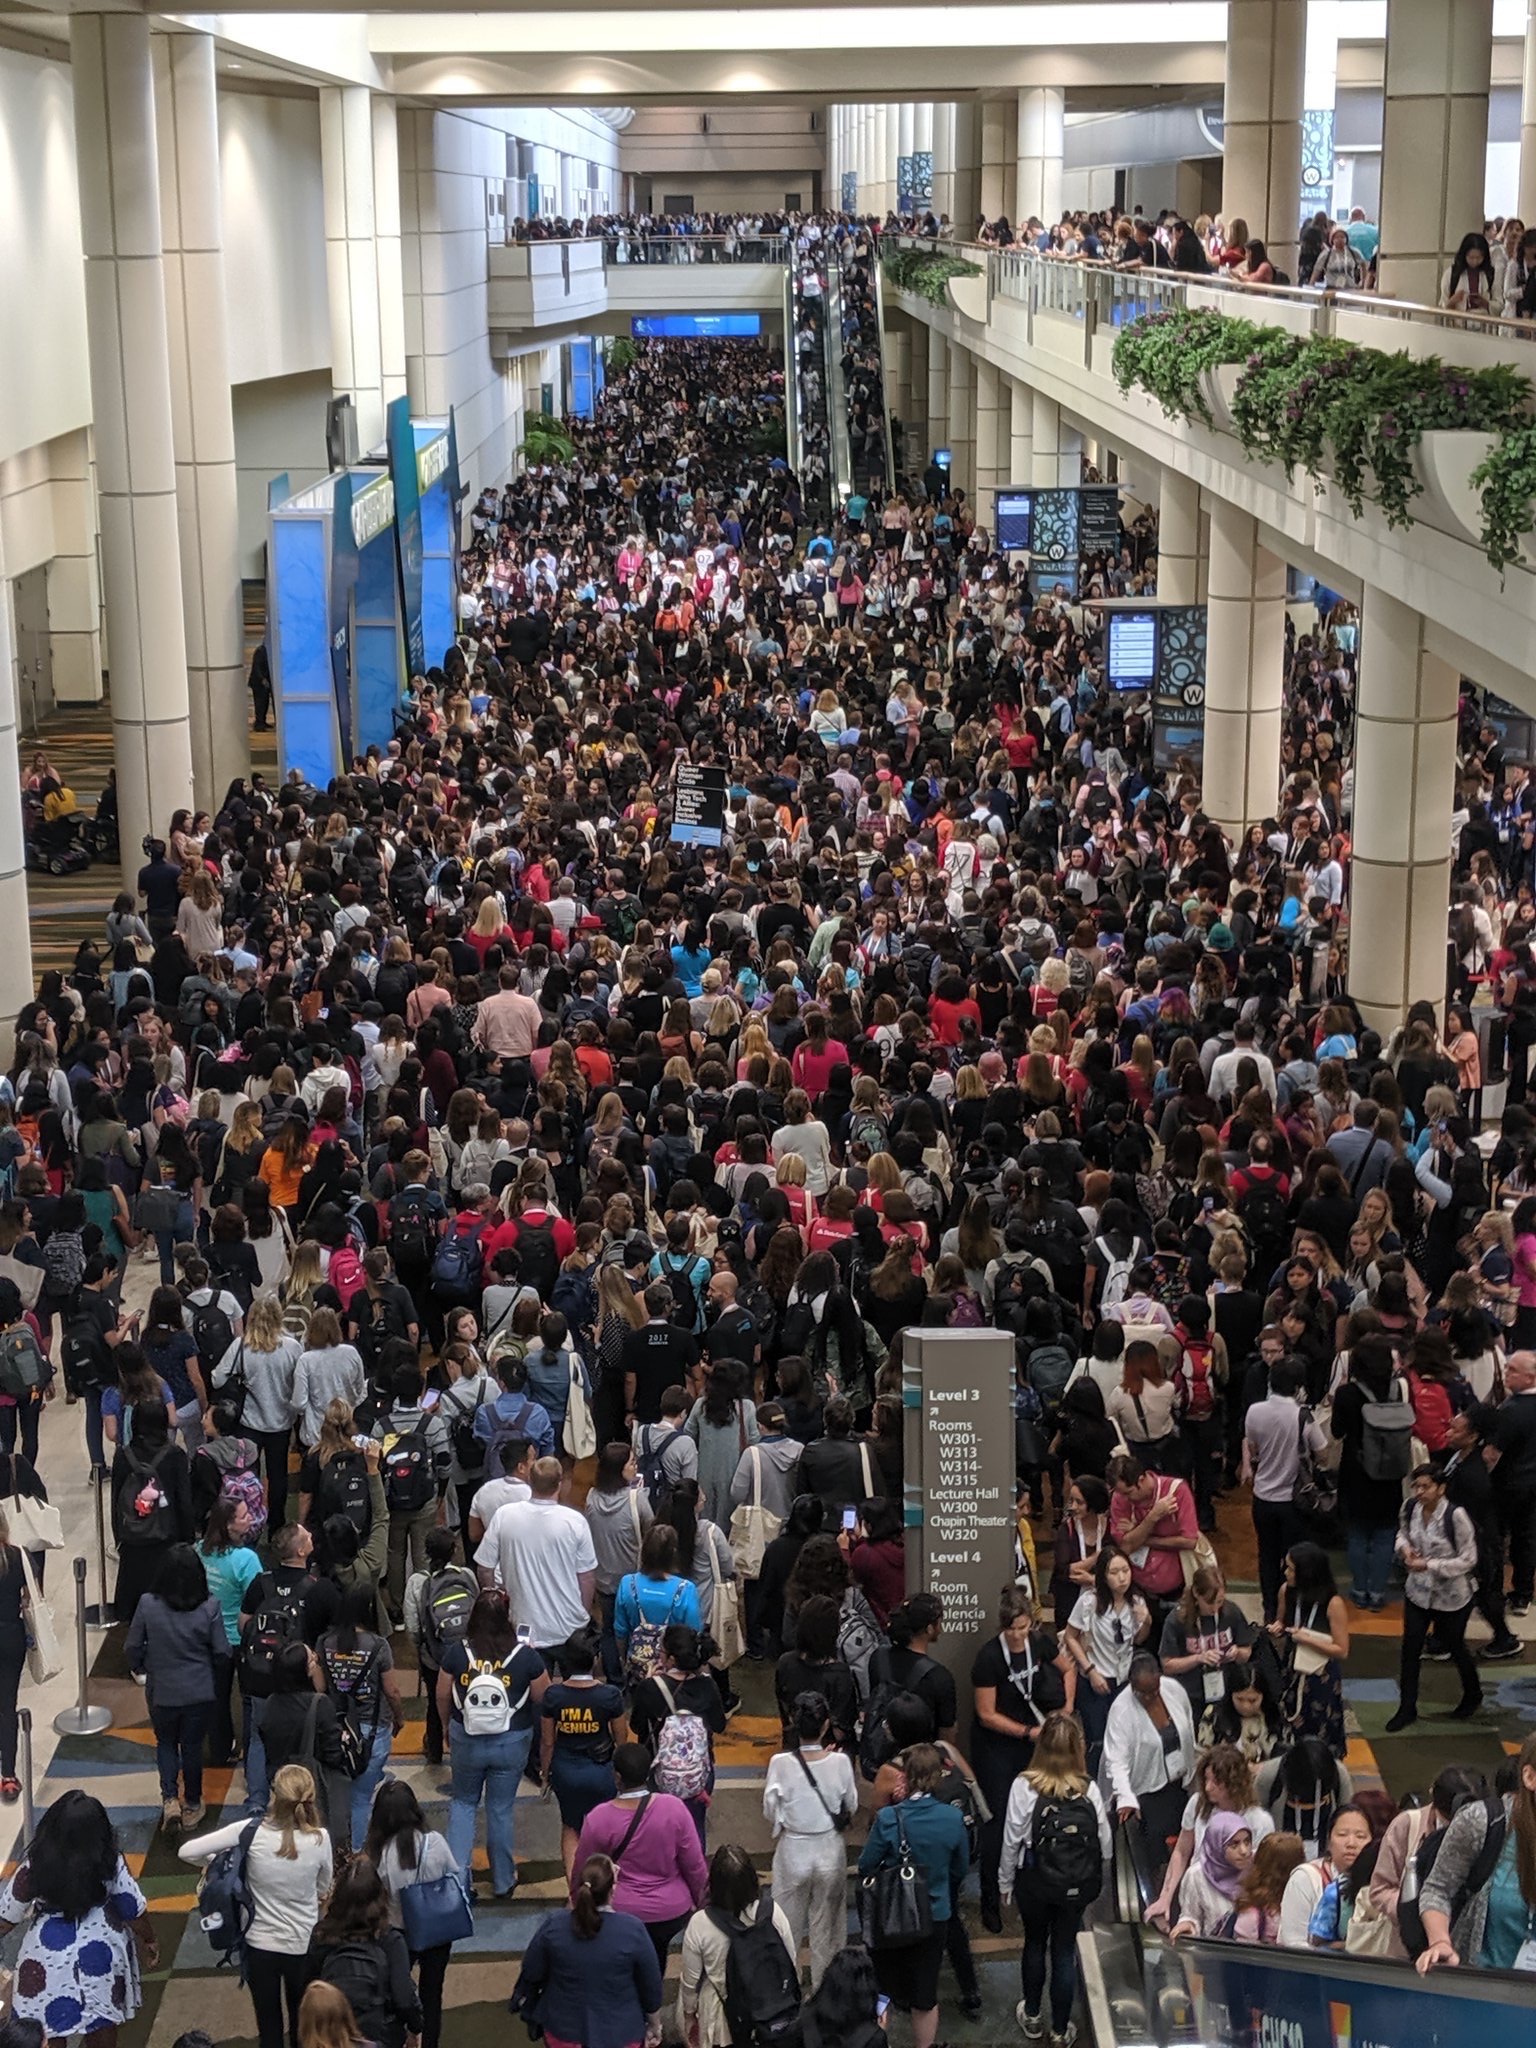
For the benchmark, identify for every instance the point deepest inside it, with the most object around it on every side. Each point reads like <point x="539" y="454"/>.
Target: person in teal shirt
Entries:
<point x="1364" y="235"/>
<point x="231" y="1564"/>
<point x="936" y="1837"/>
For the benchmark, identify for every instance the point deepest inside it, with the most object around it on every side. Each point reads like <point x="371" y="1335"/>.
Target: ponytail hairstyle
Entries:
<point x="811" y="1718"/>
<point x="594" y="1889"/>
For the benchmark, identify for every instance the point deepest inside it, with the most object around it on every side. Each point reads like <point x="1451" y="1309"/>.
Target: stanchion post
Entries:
<point x="101" y="1615"/>
<point x="82" y="1718"/>
<point x="28" y="1809"/>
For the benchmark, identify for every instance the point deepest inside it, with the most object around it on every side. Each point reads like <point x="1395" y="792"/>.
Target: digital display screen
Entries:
<point x="1132" y="660"/>
<point x="693" y="326"/>
<point x="942" y="458"/>
<point x="1015" y="518"/>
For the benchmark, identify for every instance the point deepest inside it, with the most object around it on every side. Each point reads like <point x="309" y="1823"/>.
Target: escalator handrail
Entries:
<point x="878" y="274"/>
<point x="840" y="466"/>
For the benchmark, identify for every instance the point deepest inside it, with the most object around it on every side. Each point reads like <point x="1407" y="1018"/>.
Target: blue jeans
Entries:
<point x="179" y="1735"/>
<point x="1370" y="1558"/>
<point x="363" y="1788"/>
<point x="167" y="1240"/>
<point x="492" y="1765"/>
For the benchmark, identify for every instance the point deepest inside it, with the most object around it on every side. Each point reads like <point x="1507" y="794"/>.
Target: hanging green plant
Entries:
<point x="1507" y="480"/>
<point x="925" y="272"/>
<point x="545" y="440"/>
<point x="1168" y="354"/>
<point x="620" y="355"/>
<point x="1343" y="414"/>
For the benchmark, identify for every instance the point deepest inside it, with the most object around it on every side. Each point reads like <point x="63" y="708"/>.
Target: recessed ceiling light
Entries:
<point x="233" y="66"/>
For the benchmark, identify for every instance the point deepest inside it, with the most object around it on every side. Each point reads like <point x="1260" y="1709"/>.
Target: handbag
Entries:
<point x="1201" y="1558"/>
<point x="839" y="1816"/>
<point x="1317" y="1491"/>
<point x="156" y="1208"/>
<point x="435" y="1911"/>
<point x="34" y="1524"/>
<point x="895" y="1910"/>
<point x="524" y="2005"/>
<point x="725" y="1612"/>
<point x="579" y="1436"/>
<point x="45" y="1659"/>
<point x="753" y="1527"/>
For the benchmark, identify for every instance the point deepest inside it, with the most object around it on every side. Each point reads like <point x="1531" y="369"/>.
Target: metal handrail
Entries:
<point x="768" y="246"/>
<point x="885" y="388"/>
<point x="1019" y="273"/>
<point x="840" y="468"/>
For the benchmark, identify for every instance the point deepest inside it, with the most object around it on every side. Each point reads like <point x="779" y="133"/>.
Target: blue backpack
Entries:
<point x="224" y="1903"/>
<point x="457" y="1261"/>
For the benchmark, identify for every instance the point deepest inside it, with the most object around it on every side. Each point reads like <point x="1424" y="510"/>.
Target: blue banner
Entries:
<point x="693" y="326"/>
<point x="850" y="192"/>
<point x="343" y="584"/>
<point x="1247" y="2002"/>
<point x="401" y="439"/>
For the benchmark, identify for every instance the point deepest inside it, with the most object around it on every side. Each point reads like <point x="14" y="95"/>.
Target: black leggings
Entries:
<point x="431" y="1969"/>
<point x="270" y="1977"/>
<point x="1049" y="1930"/>
<point x="273" y="1445"/>
<point x="13" y="1660"/>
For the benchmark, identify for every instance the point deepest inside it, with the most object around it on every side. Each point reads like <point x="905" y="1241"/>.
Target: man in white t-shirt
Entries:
<point x="543" y="1555"/>
<point x="505" y="1492"/>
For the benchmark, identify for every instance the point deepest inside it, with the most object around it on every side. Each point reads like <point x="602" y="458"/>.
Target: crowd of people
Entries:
<point x="540" y="1186"/>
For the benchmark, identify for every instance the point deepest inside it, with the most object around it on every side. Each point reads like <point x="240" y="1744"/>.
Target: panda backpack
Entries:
<point x="488" y="1706"/>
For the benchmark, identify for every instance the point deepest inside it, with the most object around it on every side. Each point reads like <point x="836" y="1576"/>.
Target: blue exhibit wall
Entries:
<point x="377" y="644"/>
<point x="304" y="689"/>
<point x="439" y="551"/>
<point x="401" y="437"/>
<point x="343" y="587"/>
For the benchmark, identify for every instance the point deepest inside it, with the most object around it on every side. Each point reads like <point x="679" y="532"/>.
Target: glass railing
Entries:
<point x="741" y="247"/>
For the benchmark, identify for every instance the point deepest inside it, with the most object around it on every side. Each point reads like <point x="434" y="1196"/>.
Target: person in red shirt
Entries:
<point x="815" y="1057"/>
<point x="836" y="1219"/>
<point x="877" y="1557"/>
<point x="951" y="1001"/>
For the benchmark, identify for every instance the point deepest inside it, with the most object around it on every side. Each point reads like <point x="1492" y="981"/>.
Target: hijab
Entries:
<point x="1214" y="1867"/>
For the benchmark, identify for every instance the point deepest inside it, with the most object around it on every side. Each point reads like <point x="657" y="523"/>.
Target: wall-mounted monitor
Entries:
<point x="1014" y="520"/>
<point x="1131" y="656"/>
<point x="694" y="326"/>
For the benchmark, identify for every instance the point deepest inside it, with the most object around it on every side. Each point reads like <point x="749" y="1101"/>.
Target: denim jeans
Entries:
<point x="167" y="1240"/>
<point x="1370" y="1558"/>
<point x="179" y="1735"/>
<point x="491" y="1765"/>
<point x="363" y="1788"/>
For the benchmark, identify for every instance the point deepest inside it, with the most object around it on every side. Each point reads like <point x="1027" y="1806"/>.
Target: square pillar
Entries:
<point x="1178" y="539"/>
<point x="1405" y="780"/>
<point x="1434" y="140"/>
<point x="1041" y="139"/>
<point x="992" y="428"/>
<point x="962" y="418"/>
<point x="1045" y="442"/>
<point x="351" y="255"/>
<point x="74" y="587"/>
<point x="1244" y="674"/>
<point x="1021" y="439"/>
<point x="1265" y="91"/>
<point x="999" y="143"/>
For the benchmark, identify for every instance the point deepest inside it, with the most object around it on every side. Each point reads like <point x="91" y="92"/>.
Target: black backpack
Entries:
<point x="762" y="1982"/>
<point x="344" y="1490"/>
<point x="412" y="1232"/>
<point x="877" y="1745"/>
<point x="212" y="1331"/>
<point x="468" y="1448"/>
<point x="156" y="1523"/>
<point x="360" y="1969"/>
<point x="651" y="1443"/>
<point x="409" y="1485"/>
<point x="1262" y="1214"/>
<point x="276" y="1621"/>
<point x="1065" y="1865"/>
<point x="85" y="1355"/>
<point x="1410" y="1924"/>
<point x="540" y="1262"/>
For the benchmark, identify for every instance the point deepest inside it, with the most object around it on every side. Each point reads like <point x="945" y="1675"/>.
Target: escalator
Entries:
<point x="811" y="444"/>
<point x="1143" y="1991"/>
<point x="860" y="385"/>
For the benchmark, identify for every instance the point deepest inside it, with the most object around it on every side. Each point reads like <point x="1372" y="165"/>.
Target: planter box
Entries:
<point x="970" y="296"/>
<point x="1218" y="386"/>
<point x="1444" y="461"/>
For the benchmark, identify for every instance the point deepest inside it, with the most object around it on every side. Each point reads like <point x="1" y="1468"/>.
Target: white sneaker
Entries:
<point x="1032" y="2024"/>
<point x="1066" y="2037"/>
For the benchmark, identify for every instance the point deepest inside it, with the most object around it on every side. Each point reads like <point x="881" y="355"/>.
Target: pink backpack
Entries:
<point x="345" y="1272"/>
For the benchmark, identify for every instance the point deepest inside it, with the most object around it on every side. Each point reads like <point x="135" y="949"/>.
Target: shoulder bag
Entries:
<point x="725" y="1608"/>
<point x="895" y="1910"/>
<point x="436" y="1910"/>
<point x="839" y="1816"/>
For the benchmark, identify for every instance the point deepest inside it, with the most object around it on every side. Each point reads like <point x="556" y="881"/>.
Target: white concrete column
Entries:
<point x="1069" y="457"/>
<point x="1405" y="775"/>
<point x="922" y="130"/>
<point x="860" y="167"/>
<point x="944" y="161"/>
<point x="202" y="414"/>
<point x="967" y="169"/>
<point x="1244" y="674"/>
<point x="835" y="156"/>
<point x="351" y="254"/>
<point x="1434" y="140"/>
<point x="131" y="403"/>
<point x="938" y="394"/>
<point x="1265" y="89"/>
<point x="884" y="172"/>
<point x="1178" y="538"/>
<point x="1045" y="442"/>
<point x="1528" y="123"/>
<point x="16" y="983"/>
<point x="918" y="417"/>
<point x="1021" y="438"/>
<point x="962" y="418"/>
<point x="74" y="587"/>
<point x="386" y="242"/>
<point x="1042" y="130"/>
<point x="992" y="432"/>
<point x="898" y="370"/>
<point x="999" y="142"/>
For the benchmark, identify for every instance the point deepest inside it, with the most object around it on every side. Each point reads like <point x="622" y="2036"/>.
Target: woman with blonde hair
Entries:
<point x="265" y="1357"/>
<point x="789" y="1176"/>
<point x="753" y="1041"/>
<point x="1058" y="1771"/>
<point x="326" y="2019"/>
<point x="288" y="1874"/>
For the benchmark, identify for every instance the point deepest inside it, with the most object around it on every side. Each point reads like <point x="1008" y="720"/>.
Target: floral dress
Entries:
<point x="75" y="1976"/>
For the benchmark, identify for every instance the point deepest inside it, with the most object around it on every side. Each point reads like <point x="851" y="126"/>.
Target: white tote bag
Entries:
<point x="725" y="1611"/>
<point x="34" y="1524"/>
<point x="45" y="1659"/>
<point x="753" y="1527"/>
<point x="579" y="1435"/>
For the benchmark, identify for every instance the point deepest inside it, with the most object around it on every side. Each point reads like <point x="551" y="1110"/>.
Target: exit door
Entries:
<point x="34" y="649"/>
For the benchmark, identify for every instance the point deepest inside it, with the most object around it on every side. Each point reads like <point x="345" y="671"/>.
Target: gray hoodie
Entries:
<point x="779" y="1458"/>
<point x="618" y="1522"/>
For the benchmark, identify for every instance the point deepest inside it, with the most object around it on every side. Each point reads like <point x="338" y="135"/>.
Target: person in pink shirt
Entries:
<point x="1152" y="1519"/>
<point x="815" y="1056"/>
<point x="428" y="995"/>
<point x="652" y="1838"/>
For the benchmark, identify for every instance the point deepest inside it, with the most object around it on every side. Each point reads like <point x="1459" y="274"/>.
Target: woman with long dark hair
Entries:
<point x="1313" y="1624"/>
<point x="86" y="1925"/>
<point x="406" y="1852"/>
<point x="361" y="1953"/>
<point x="151" y="1504"/>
